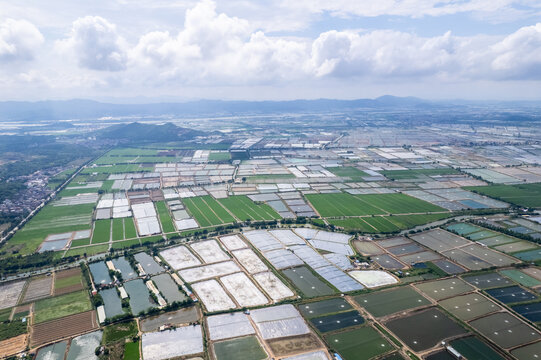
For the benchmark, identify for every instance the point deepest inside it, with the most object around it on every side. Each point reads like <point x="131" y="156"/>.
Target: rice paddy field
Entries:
<point x="342" y="204"/>
<point x="386" y="224"/>
<point x="207" y="211"/>
<point x="417" y="173"/>
<point x="61" y="306"/>
<point x="50" y="220"/>
<point x="245" y="209"/>
<point x="165" y="217"/>
<point x="527" y="195"/>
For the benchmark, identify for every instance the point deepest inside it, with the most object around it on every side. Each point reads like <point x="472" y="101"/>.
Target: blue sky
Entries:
<point x="279" y="49"/>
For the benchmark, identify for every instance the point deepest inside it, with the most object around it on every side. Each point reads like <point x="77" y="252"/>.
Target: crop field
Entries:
<point x="88" y="250"/>
<point x="118" y="229"/>
<point x="38" y="288"/>
<point x="102" y="231"/>
<point x="417" y="173"/>
<point x="207" y="211"/>
<point x="11" y="329"/>
<point x="219" y="156"/>
<point x="10" y="293"/>
<point x="116" y="169"/>
<point x="359" y="344"/>
<point x="63" y="327"/>
<point x="243" y="208"/>
<point x="527" y="195"/>
<point x="13" y="345"/>
<point x="61" y="306"/>
<point x="50" y="220"/>
<point x="165" y="217"/>
<point x="348" y="171"/>
<point x="505" y="330"/>
<point x="382" y="303"/>
<point x="382" y="224"/>
<point x="248" y="346"/>
<point x="119" y="331"/>
<point x="341" y="204"/>
<point x="436" y="328"/>
<point x="307" y="282"/>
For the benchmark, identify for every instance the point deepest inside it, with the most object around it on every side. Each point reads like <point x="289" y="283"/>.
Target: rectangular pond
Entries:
<point x="139" y="296"/>
<point x="100" y="273"/>
<point x="111" y="302"/>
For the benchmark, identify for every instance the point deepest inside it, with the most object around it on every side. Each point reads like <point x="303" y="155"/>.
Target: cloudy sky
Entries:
<point x="148" y="50"/>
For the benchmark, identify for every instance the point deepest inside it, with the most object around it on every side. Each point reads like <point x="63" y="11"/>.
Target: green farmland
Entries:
<point x="243" y="208"/>
<point x="417" y="173"/>
<point x="342" y="204"/>
<point x="61" y="306"/>
<point x="527" y="195"/>
<point x="207" y="211"/>
<point x="165" y="217"/>
<point x="348" y="171"/>
<point x="50" y="220"/>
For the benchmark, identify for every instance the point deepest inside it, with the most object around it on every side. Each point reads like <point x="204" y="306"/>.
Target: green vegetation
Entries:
<point x="88" y="250"/>
<point x="80" y="242"/>
<point x="245" y="209"/>
<point x="102" y="231"/>
<point x="67" y="281"/>
<point x="341" y="204"/>
<point x="348" y="171"/>
<point x="248" y="346"/>
<point x="119" y="331"/>
<point x="129" y="228"/>
<point x="61" y="306"/>
<point x="131" y="350"/>
<point x="219" y="156"/>
<point x="526" y="195"/>
<point x="118" y="229"/>
<point x="5" y="314"/>
<point x="11" y="329"/>
<point x="116" y="169"/>
<point x="207" y="211"/>
<point x="50" y="220"/>
<point x="165" y="217"/>
<point x="417" y="173"/>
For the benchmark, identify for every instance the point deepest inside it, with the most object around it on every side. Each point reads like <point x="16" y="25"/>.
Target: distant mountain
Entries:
<point x="137" y="132"/>
<point x="88" y="109"/>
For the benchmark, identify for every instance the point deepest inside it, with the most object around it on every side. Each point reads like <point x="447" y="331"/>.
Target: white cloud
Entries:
<point x="519" y="54"/>
<point x="19" y="40"/>
<point x="407" y="8"/>
<point x="96" y="44"/>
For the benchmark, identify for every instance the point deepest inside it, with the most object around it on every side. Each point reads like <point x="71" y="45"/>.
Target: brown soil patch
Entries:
<point x="68" y="289"/>
<point x="13" y="345"/>
<point x="294" y="345"/>
<point x="62" y="328"/>
<point x="68" y="273"/>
